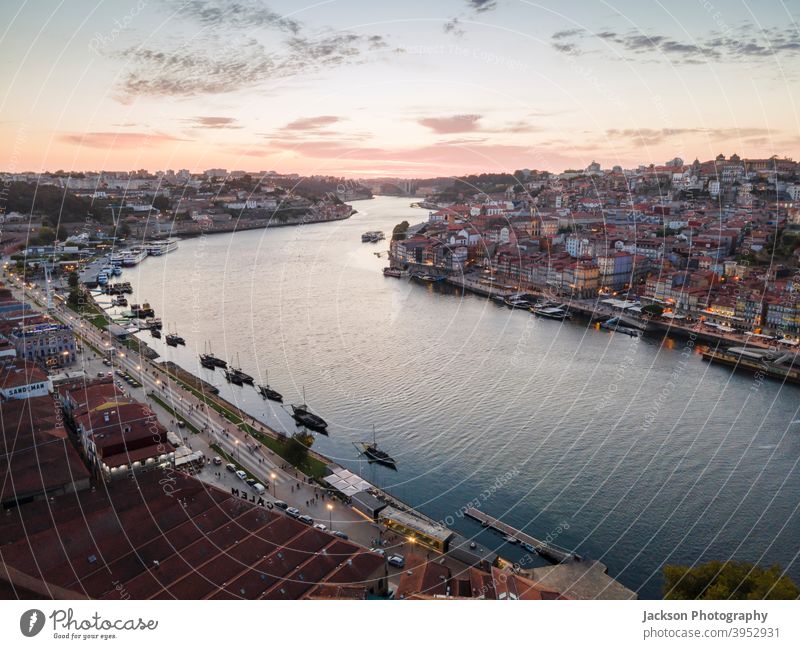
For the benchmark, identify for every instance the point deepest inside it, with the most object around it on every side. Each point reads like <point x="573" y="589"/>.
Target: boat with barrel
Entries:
<point x="375" y="454"/>
<point x="239" y="374"/>
<point x="268" y="393"/>
<point x="232" y="377"/>
<point x="209" y="361"/>
<point x="173" y="339"/>
<point x="303" y="416"/>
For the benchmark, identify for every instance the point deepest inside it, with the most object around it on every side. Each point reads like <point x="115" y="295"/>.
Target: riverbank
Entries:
<point x="189" y="229"/>
<point x="463" y="389"/>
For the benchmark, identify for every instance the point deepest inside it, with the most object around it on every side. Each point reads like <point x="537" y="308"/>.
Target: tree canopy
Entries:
<point x="727" y="580"/>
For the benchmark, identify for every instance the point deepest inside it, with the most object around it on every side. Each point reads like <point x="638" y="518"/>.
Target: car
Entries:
<point x="259" y="488"/>
<point x="305" y="518"/>
<point x="100" y="374"/>
<point x="106" y="362"/>
<point x="241" y="475"/>
<point x="251" y="481"/>
<point x="281" y="505"/>
<point x="396" y="560"/>
<point x="293" y="512"/>
<point x="231" y="467"/>
<point x="217" y="460"/>
<point x="341" y="535"/>
<point x="379" y="551"/>
<point x="181" y="423"/>
<point x="320" y="526"/>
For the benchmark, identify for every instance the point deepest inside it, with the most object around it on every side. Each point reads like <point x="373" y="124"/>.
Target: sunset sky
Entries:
<point x="410" y="88"/>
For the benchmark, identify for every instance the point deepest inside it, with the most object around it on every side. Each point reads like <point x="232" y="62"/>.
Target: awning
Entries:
<point x="347" y="482"/>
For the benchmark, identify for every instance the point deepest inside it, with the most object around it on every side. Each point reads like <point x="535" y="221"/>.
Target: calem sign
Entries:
<point x="251" y="498"/>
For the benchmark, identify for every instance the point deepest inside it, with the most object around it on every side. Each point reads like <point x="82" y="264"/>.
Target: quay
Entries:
<point x="571" y="575"/>
<point x="594" y="311"/>
<point x="546" y="550"/>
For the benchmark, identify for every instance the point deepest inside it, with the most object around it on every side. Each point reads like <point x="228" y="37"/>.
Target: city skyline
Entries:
<point x="406" y="91"/>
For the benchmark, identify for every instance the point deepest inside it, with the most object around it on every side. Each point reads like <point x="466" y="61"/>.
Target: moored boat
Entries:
<point x="268" y="393"/>
<point x="303" y="416"/>
<point x="374" y="454"/>
<point x="232" y="377"/>
<point x="551" y="312"/>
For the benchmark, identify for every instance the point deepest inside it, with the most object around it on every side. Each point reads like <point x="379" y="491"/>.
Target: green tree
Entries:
<point x="400" y="230"/>
<point x="161" y="203"/>
<point x="296" y="448"/>
<point x="727" y="580"/>
<point x="44" y="237"/>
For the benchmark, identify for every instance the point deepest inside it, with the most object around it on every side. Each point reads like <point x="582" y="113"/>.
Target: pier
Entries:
<point x="571" y="575"/>
<point x="546" y="550"/>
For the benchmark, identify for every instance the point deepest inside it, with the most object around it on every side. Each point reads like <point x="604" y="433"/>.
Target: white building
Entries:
<point x="22" y="380"/>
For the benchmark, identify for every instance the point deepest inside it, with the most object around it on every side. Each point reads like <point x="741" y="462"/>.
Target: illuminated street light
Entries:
<point x="330" y="515"/>
<point x="273" y="477"/>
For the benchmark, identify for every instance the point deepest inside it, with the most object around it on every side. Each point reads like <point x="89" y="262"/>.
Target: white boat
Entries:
<point x="133" y="256"/>
<point x="102" y="278"/>
<point x="551" y="312"/>
<point x="162" y="247"/>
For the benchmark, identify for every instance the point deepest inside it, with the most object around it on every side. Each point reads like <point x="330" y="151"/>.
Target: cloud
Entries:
<point x="481" y="6"/>
<point x="739" y="44"/>
<point x="308" y="123"/>
<point x="212" y="122"/>
<point x="653" y="136"/>
<point x="453" y="26"/>
<point x="232" y="54"/>
<point x="451" y="124"/>
<point x="243" y="14"/>
<point x="114" y="140"/>
<point x="472" y="124"/>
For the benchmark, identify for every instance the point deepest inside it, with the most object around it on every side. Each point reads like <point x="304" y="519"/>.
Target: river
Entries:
<point x="631" y="451"/>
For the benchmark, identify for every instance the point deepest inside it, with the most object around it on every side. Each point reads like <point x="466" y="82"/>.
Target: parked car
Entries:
<point x="231" y="467"/>
<point x="320" y="526"/>
<point x="281" y="505"/>
<point x="241" y="475"/>
<point x="293" y="512"/>
<point x="379" y="551"/>
<point x="305" y="518"/>
<point x="396" y="560"/>
<point x="341" y="535"/>
<point x="259" y="488"/>
<point x="251" y="482"/>
<point x="217" y="460"/>
<point x="181" y="423"/>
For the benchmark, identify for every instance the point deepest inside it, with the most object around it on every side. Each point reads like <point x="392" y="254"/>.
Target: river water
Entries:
<point x="631" y="451"/>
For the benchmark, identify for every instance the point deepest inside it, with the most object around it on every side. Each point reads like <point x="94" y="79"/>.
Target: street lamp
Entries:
<point x="273" y="477"/>
<point x="330" y="515"/>
<point x="238" y="455"/>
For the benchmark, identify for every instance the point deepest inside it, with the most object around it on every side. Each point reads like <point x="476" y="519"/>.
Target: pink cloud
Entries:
<point x="109" y="139"/>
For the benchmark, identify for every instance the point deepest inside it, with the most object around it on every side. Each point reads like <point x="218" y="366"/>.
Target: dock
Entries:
<point x="547" y="550"/>
<point x="572" y="575"/>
